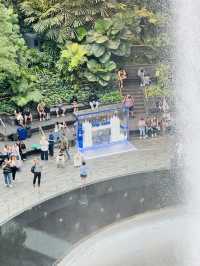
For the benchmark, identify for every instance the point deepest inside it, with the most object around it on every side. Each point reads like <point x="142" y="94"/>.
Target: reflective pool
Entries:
<point x="44" y="234"/>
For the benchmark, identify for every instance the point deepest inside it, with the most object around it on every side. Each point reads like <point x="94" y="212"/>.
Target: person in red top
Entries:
<point x="128" y="103"/>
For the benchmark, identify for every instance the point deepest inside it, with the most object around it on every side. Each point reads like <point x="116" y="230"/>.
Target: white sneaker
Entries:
<point x="10" y="185"/>
<point x="140" y="137"/>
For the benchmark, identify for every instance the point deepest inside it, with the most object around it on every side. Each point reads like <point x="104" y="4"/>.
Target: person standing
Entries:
<point x="64" y="146"/>
<point x="60" y="159"/>
<point x="22" y="150"/>
<point x="15" y="151"/>
<point x="141" y="75"/>
<point x="129" y="103"/>
<point x="44" y="148"/>
<point x="36" y="169"/>
<point x="51" y="141"/>
<point x="149" y="129"/>
<point x="121" y="76"/>
<point x="83" y="174"/>
<point x="57" y="132"/>
<point x="14" y="167"/>
<point x="154" y="124"/>
<point x="7" y="173"/>
<point x="142" y="126"/>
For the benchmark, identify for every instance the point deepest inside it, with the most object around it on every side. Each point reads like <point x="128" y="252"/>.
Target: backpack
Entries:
<point x="33" y="169"/>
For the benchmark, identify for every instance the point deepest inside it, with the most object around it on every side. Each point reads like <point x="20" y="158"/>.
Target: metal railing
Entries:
<point x="3" y="124"/>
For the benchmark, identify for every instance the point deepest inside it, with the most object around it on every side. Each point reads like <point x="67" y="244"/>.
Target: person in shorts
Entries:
<point x="83" y="174"/>
<point x="41" y="111"/>
<point x="28" y="118"/>
<point x="128" y="104"/>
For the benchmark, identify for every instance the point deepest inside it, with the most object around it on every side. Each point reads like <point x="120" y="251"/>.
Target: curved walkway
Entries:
<point x="151" y="154"/>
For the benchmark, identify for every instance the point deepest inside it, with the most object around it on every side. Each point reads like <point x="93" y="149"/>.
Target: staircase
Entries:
<point x="132" y="85"/>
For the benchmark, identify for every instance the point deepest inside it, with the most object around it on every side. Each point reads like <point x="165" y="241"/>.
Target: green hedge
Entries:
<point x="111" y="97"/>
<point x="55" y="96"/>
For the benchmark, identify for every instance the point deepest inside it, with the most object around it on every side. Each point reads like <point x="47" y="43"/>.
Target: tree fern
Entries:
<point x="51" y="16"/>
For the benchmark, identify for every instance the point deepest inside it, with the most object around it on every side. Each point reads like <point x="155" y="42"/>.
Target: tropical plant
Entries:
<point x="73" y="55"/>
<point x="58" y="19"/>
<point x="111" y="97"/>
<point x="163" y="86"/>
<point x="15" y="78"/>
<point x="110" y="38"/>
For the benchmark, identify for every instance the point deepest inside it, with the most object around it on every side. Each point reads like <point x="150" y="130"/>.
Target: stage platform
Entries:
<point x="108" y="150"/>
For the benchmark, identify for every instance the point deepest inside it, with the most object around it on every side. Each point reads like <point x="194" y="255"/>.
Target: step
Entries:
<point x="134" y="94"/>
<point x="133" y="89"/>
<point x="139" y="103"/>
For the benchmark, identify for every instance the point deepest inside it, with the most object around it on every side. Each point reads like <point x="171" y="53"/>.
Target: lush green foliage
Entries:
<point x="15" y="78"/>
<point x="94" y="60"/>
<point x="58" y="19"/>
<point x="111" y="97"/>
<point x="83" y="43"/>
<point x="163" y="86"/>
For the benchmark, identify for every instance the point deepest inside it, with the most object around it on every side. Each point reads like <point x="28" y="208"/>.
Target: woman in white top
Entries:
<point x="15" y="151"/>
<point x="44" y="148"/>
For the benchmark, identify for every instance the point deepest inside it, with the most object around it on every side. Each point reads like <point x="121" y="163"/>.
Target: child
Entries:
<point x="83" y="174"/>
<point x="60" y="159"/>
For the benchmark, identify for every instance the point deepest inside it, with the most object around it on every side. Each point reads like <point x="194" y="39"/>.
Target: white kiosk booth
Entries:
<point x="103" y="132"/>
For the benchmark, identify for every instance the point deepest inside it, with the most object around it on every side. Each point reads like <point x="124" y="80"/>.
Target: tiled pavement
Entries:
<point x="151" y="154"/>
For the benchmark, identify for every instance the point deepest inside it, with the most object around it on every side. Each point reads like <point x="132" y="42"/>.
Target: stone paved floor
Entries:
<point x="151" y="154"/>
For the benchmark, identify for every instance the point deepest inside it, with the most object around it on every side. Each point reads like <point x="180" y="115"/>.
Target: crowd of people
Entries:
<point x="153" y="126"/>
<point x="25" y="117"/>
<point x="11" y="160"/>
<point x="63" y="138"/>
